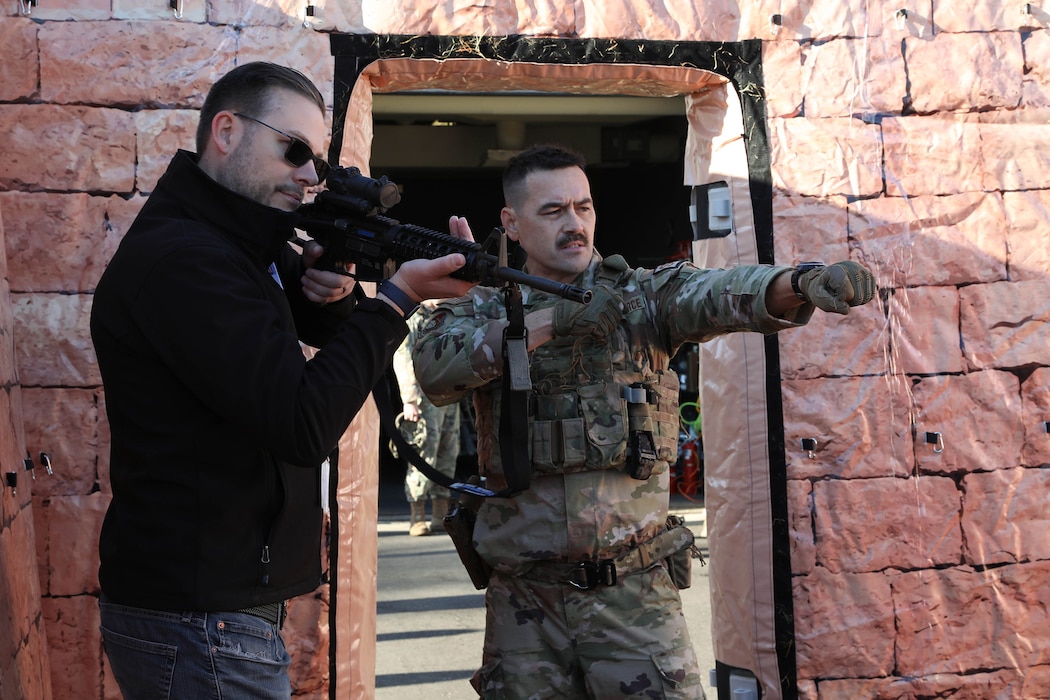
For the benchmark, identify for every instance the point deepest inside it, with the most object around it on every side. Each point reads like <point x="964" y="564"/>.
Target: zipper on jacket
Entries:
<point x="266" y="565"/>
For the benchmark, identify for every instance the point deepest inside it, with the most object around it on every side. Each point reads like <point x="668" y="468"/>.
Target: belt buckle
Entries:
<point x="594" y="574"/>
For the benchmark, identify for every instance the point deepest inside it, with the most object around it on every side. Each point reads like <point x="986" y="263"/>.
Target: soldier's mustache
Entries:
<point x="571" y="238"/>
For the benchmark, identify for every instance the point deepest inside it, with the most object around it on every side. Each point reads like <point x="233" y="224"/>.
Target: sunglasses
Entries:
<point x="298" y="152"/>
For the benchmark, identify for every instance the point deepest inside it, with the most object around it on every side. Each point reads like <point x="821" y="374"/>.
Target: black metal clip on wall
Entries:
<point x="45" y="461"/>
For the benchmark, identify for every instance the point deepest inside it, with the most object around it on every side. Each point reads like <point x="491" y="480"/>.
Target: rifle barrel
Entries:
<point x="567" y="291"/>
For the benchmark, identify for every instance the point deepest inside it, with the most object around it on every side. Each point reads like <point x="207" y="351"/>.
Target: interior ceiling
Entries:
<point x="447" y="151"/>
<point x="482" y="130"/>
<point x="481" y="108"/>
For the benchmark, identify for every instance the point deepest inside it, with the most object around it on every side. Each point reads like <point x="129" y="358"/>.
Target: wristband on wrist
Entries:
<point x="802" y="269"/>
<point x="400" y="299"/>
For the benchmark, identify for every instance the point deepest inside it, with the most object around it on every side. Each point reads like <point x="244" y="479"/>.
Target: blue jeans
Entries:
<point x="158" y="655"/>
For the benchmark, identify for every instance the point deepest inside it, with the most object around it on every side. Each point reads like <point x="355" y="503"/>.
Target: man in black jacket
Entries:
<point x="219" y="423"/>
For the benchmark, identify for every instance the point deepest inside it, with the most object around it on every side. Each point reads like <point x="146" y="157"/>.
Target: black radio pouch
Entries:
<point x="459" y="524"/>
<point x="679" y="564"/>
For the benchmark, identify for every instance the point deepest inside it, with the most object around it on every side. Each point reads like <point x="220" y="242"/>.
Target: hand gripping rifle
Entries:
<point x="346" y="219"/>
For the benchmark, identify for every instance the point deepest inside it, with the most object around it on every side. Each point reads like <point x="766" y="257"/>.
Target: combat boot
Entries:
<point x="439" y="508"/>
<point x="418" y="519"/>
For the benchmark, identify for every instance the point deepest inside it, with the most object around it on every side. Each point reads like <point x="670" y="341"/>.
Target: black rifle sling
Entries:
<point x="513" y="424"/>
<point x="517" y="474"/>
<point x="388" y="421"/>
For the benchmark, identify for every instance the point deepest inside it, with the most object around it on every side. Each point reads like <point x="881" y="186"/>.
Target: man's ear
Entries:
<point x="510" y="222"/>
<point x="225" y="131"/>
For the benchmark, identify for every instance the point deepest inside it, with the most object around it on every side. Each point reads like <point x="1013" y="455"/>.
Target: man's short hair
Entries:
<point x="533" y="159"/>
<point x="250" y="89"/>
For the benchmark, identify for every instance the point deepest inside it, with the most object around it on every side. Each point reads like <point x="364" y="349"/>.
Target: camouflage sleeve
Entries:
<point x="459" y="348"/>
<point x="404" y="368"/>
<point x="695" y="304"/>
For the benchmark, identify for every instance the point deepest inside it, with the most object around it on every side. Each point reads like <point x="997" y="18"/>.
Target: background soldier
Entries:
<point x="434" y="430"/>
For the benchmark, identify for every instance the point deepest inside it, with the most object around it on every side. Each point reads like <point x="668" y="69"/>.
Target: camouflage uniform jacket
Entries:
<point x="404" y="367"/>
<point x="582" y="504"/>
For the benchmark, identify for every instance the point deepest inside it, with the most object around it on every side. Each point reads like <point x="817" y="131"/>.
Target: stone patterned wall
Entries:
<point x="94" y="99"/>
<point x="911" y="135"/>
<point x="918" y="565"/>
<point x="24" y="667"/>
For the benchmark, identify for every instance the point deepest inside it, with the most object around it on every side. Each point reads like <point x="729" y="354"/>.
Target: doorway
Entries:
<point x="726" y="141"/>
<point x="446" y="151"/>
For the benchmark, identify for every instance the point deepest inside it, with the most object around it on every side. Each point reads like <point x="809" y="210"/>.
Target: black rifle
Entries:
<point x="346" y="220"/>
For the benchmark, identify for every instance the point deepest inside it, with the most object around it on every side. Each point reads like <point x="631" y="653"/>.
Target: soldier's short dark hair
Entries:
<point x="250" y="88"/>
<point x="536" y="158"/>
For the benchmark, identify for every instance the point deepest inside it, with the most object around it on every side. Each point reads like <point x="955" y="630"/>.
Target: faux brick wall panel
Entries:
<point x="1005" y="324"/>
<point x="143" y="66"/>
<point x="53" y="345"/>
<point x="1013" y="163"/>
<point x="783" y="95"/>
<point x="932" y="155"/>
<point x="925" y="327"/>
<point x="809" y="228"/>
<point x="18" y="70"/>
<point x="985" y="16"/>
<point x="868" y="525"/>
<point x="849" y="151"/>
<point x="74" y="524"/>
<point x="1036" y="85"/>
<point x="1035" y="416"/>
<point x="978" y="416"/>
<point x="844" y="77"/>
<point x="800" y="528"/>
<point x="63" y="423"/>
<point x="987" y="70"/>
<point x="71" y="256"/>
<point x="1034" y="682"/>
<point x="308" y="51"/>
<point x="959" y="620"/>
<point x="841" y="626"/>
<point x="923" y="240"/>
<point x="1005" y="518"/>
<point x="1027" y="214"/>
<point x="159" y="133"/>
<point x="860" y="341"/>
<point x="75" y="645"/>
<point x="66" y="148"/>
<point x="859" y="425"/>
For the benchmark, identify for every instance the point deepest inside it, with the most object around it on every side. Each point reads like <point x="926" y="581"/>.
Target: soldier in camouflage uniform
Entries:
<point x="434" y="430"/>
<point x="560" y="624"/>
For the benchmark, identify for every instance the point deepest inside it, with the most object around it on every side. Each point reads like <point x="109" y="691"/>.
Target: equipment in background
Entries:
<point x="687" y="474"/>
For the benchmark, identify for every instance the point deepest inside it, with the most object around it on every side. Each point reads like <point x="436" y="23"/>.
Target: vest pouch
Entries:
<point x="605" y="422"/>
<point x="558" y="442"/>
<point x="665" y="416"/>
<point x="641" y="444"/>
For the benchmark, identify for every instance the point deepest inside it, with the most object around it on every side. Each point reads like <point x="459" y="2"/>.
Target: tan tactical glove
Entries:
<point x="597" y="319"/>
<point x="835" y="287"/>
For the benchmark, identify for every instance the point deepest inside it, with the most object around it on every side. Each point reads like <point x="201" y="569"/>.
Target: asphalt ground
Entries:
<point x="431" y="620"/>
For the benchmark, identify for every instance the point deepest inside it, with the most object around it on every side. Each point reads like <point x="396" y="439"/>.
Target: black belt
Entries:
<point x="587" y="575"/>
<point x="274" y="613"/>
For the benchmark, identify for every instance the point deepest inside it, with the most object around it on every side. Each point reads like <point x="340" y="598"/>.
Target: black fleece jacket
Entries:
<point x="218" y="422"/>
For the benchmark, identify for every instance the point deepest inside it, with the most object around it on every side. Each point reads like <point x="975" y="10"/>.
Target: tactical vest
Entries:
<point x="596" y="404"/>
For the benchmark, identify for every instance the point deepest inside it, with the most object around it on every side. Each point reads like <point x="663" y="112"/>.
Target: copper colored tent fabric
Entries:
<point x="737" y="467"/>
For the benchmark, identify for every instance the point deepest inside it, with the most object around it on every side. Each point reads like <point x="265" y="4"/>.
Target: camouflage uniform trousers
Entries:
<point x="439" y="446"/>
<point x="550" y="640"/>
